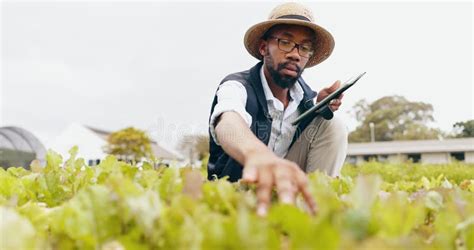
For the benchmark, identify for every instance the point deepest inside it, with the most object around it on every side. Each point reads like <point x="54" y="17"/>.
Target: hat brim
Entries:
<point x="324" y="40"/>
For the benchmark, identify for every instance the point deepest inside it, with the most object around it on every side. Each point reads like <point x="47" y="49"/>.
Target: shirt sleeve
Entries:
<point x="231" y="96"/>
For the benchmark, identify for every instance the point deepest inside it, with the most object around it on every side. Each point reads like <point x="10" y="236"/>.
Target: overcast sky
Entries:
<point x="156" y="65"/>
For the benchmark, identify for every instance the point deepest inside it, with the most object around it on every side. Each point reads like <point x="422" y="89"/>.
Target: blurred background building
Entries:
<point x="91" y="143"/>
<point x="423" y="151"/>
<point x="19" y="147"/>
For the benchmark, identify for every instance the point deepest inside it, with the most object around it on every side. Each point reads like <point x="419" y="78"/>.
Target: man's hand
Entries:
<point x="334" y="104"/>
<point x="267" y="170"/>
<point x="262" y="166"/>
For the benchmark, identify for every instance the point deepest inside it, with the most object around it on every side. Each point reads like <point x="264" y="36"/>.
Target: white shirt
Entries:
<point x="232" y="96"/>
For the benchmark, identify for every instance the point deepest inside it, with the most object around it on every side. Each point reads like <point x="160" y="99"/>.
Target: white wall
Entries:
<point x="435" y="158"/>
<point x="469" y="157"/>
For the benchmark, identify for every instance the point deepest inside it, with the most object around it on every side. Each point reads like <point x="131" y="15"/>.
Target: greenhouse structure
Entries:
<point x="18" y="148"/>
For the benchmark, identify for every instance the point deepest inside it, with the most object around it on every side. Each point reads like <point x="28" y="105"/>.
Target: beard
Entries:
<point x="283" y="81"/>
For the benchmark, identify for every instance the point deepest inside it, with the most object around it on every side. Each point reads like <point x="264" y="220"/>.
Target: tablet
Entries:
<point x="328" y="98"/>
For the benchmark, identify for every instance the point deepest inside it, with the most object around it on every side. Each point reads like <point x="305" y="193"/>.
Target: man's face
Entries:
<point x="286" y="67"/>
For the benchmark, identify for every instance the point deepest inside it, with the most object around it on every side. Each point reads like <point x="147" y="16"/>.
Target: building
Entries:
<point x="91" y="143"/>
<point x="19" y="147"/>
<point x="424" y="151"/>
<point x="158" y="150"/>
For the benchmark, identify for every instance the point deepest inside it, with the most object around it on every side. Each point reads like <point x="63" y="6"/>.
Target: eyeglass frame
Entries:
<point x="296" y="45"/>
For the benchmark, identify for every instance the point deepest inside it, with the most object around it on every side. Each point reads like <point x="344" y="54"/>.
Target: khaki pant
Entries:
<point x="322" y="146"/>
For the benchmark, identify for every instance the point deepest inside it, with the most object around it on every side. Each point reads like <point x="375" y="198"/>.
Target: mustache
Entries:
<point x="283" y="65"/>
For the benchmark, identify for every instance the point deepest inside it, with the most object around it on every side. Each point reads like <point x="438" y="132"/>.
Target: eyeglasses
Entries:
<point x="304" y="50"/>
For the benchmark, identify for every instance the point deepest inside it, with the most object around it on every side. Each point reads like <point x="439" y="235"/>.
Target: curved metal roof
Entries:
<point x="19" y="139"/>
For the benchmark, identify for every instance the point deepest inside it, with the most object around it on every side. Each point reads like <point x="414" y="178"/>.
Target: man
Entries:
<point x="250" y="123"/>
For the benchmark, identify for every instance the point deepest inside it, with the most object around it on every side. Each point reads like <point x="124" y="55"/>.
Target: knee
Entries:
<point x="336" y="129"/>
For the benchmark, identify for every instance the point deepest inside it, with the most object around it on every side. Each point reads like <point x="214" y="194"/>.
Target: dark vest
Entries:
<point x="220" y="164"/>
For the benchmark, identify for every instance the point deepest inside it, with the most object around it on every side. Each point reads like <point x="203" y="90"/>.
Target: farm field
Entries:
<point x="115" y="205"/>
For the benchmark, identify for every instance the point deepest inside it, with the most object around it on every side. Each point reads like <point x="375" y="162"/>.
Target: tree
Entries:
<point x="393" y="118"/>
<point x="464" y="129"/>
<point x="129" y="144"/>
<point x="194" y="146"/>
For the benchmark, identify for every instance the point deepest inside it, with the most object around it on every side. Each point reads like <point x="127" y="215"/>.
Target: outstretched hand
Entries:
<point x="323" y="93"/>
<point x="268" y="171"/>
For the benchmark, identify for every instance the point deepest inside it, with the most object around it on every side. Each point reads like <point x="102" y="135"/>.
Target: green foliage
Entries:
<point x="116" y="205"/>
<point x="398" y="173"/>
<point x="465" y="129"/>
<point x="16" y="231"/>
<point x="394" y="118"/>
<point x="129" y="144"/>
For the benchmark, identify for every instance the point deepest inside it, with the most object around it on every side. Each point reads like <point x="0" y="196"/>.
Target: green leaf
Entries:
<point x="433" y="200"/>
<point x="145" y="209"/>
<point x="89" y="219"/>
<point x="16" y="231"/>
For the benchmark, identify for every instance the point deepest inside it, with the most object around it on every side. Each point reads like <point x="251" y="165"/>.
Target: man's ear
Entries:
<point x="262" y="48"/>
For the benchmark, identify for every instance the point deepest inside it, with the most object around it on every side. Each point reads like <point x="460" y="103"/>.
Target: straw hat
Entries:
<point x="291" y="13"/>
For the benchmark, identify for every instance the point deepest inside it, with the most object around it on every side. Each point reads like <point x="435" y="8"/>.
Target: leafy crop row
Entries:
<point x="115" y="205"/>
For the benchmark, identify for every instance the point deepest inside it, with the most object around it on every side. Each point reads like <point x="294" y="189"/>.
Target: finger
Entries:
<point x="335" y="104"/>
<point x="285" y="187"/>
<point x="302" y="184"/>
<point x="340" y="96"/>
<point x="264" y="190"/>
<point x="334" y="86"/>
<point x="249" y="174"/>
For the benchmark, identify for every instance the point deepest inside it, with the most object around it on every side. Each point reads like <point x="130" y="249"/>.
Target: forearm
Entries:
<point x="237" y="139"/>
<point x="261" y="165"/>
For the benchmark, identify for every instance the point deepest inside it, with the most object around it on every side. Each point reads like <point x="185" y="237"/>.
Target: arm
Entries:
<point x="261" y="166"/>
<point x="236" y="138"/>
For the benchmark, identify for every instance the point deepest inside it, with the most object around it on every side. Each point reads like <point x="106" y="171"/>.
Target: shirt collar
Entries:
<point x="296" y="92"/>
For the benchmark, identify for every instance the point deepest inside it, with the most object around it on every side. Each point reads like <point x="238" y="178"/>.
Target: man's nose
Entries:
<point x="294" y="54"/>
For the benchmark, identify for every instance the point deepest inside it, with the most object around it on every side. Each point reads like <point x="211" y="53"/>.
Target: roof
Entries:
<point x="18" y="139"/>
<point x="100" y="132"/>
<point x="163" y="153"/>
<point x="158" y="150"/>
<point x="89" y="143"/>
<point x="406" y="147"/>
